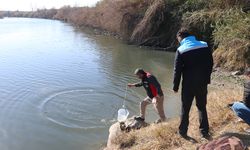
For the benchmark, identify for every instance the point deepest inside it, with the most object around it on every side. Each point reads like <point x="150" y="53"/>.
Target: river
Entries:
<point x="61" y="87"/>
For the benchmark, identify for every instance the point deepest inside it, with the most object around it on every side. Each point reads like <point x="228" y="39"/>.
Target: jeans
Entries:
<point x="242" y="111"/>
<point x="188" y="95"/>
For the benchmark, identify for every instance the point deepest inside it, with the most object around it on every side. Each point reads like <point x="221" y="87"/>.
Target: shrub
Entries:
<point x="200" y="23"/>
<point x="232" y="35"/>
<point x="230" y="25"/>
<point x="193" y="5"/>
<point x="226" y="4"/>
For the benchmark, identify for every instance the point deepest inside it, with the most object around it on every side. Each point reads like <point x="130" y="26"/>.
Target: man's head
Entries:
<point x="182" y="33"/>
<point x="247" y="72"/>
<point x="140" y="73"/>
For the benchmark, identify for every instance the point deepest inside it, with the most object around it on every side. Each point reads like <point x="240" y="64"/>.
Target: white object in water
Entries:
<point x="123" y="114"/>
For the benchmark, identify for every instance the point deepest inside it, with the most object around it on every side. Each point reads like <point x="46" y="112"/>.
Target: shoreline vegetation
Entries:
<point x="224" y="24"/>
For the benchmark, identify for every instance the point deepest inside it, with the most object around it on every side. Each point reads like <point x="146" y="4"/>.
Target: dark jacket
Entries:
<point x="193" y="62"/>
<point x="151" y="85"/>
<point x="246" y="97"/>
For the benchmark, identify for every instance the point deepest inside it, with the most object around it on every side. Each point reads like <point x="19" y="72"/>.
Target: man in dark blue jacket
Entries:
<point x="194" y="64"/>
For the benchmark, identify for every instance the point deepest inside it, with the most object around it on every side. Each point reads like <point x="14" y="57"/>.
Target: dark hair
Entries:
<point x="183" y="33"/>
<point x="139" y="71"/>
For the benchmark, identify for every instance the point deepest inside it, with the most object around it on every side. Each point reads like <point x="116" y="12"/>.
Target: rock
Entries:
<point x="224" y="143"/>
<point x="114" y="131"/>
<point x="132" y="124"/>
<point x="237" y="73"/>
<point x="118" y="129"/>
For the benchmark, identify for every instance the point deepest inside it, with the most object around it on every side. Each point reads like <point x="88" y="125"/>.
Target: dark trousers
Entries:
<point x="187" y="96"/>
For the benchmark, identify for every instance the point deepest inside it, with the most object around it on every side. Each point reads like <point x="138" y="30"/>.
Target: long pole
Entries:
<point x="125" y="97"/>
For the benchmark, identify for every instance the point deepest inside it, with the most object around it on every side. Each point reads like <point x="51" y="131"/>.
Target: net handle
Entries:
<point x="125" y="96"/>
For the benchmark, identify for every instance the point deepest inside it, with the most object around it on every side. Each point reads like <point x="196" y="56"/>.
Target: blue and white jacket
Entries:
<point x="193" y="62"/>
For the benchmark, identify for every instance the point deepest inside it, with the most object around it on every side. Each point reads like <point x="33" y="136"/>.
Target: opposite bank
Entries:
<point x="225" y="25"/>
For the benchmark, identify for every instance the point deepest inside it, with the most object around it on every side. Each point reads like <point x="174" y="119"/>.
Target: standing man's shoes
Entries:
<point x="183" y="135"/>
<point x="188" y="138"/>
<point x="206" y="136"/>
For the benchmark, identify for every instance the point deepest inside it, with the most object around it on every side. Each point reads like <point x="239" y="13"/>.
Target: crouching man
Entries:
<point x="242" y="109"/>
<point x="154" y="94"/>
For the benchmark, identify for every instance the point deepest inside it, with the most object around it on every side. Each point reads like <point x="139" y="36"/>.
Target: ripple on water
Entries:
<point x="81" y="108"/>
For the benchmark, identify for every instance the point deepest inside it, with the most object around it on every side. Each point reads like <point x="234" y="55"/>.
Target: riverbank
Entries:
<point x="225" y="25"/>
<point x="1" y="15"/>
<point x="225" y="88"/>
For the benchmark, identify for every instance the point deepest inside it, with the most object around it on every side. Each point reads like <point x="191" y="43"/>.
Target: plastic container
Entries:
<point x="123" y="114"/>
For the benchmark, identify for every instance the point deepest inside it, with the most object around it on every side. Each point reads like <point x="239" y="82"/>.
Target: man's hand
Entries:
<point x="131" y="85"/>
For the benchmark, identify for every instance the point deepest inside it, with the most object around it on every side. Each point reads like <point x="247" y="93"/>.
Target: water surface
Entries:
<point x="61" y="87"/>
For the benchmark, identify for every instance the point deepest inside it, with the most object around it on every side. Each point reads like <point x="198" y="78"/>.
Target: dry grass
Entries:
<point x="151" y="22"/>
<point x="107" y="14"/>
<point x="163" y="136"/>
<point x="235" y="55"/>
<point x="232" y="35"/>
